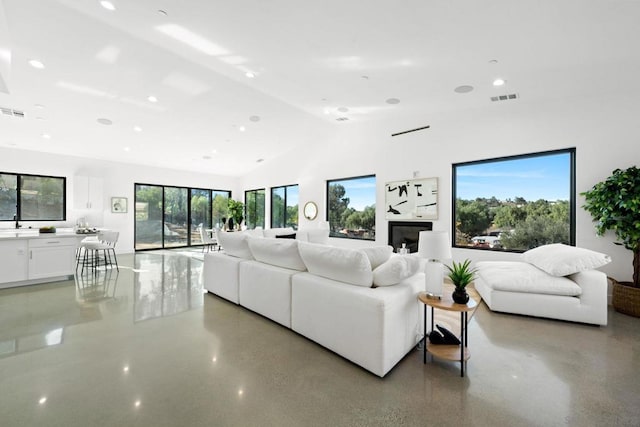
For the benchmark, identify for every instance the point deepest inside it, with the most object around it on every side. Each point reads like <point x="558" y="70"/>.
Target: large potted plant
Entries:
<point x="236" y="211"/>
<point x="614" y="205"/>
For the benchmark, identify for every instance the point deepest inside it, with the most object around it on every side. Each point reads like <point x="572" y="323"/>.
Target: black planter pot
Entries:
<point x="460" y="296"/>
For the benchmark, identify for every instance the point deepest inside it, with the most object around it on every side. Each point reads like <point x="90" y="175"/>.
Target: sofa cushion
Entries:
<point x="395" y="270"/>
<point x="279" y="252"/>
<point x="273" y="232"/>
<point x="341" y="264"/>
<point x="518" y="276"/>
<point x="377" y="255"/>
<point x="235" y="244"/>
<point x="562" y="260"/>
<point x="313" y="235"/>
<point x="255" y="232"/>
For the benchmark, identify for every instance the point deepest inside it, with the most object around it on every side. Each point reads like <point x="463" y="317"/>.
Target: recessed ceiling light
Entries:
<point x="365" y="77"/>
<point x="259" y="160"/>
<point x="254" y="118"/>
<point x="242" y="128"/>
<point x="46" y="136"/>
<point x="162" y="12"/>
<point x="343" y="109"/>
<point x="249" y="74"/>
<point x="137" y="128"/>
<point x="214" y="151"/>
<point x="463" y="89"/>
<point x="107" y="5"/>
<point x="42" y="400"/>
<point x="392" y="101"/>
<point x="36" y="64"/>
<point x="493" y="61"/>
<point x="127" y="149"/>
<point x="152" y="98"/>
<point x="104" y="121"/>
<point x="498" y="82"/>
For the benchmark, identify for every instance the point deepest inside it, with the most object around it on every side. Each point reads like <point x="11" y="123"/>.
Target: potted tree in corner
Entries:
<point x="614" y="204"/>
<point x="236" y="210"/>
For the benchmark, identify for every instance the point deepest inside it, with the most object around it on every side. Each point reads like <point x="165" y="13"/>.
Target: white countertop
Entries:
<point x="28" y="233"/>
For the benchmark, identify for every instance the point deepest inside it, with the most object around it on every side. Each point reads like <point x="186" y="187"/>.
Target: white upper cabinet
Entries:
<point x="87" y="193"/>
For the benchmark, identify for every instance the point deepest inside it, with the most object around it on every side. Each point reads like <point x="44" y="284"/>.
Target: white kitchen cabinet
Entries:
<point x="13" y="261"/>
<point x="88" y="193"/>
<point x="52" y="257"/>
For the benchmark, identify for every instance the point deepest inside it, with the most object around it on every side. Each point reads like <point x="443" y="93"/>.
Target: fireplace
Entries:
<point x="407" y="232"/>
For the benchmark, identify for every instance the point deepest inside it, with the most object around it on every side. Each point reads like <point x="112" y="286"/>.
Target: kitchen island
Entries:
<point x="28" y="257"/>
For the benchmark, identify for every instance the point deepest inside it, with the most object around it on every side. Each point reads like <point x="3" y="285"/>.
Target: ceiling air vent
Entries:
<point x="12" y="112"/>
<point x="504" y="97"/>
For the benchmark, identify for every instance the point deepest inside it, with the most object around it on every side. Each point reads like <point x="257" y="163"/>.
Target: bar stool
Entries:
<point x="95" y="253"/>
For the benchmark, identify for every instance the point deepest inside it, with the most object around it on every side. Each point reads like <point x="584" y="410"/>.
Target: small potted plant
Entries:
<point x="461" y="274"/>
<point x="614" y="204"/>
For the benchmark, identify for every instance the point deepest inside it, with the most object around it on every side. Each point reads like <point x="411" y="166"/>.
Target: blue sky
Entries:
<point x="533" y="178"/>
<point x="361" y="192"/>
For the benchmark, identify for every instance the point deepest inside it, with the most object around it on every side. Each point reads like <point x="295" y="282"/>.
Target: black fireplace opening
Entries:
<point x="407" y="232"/>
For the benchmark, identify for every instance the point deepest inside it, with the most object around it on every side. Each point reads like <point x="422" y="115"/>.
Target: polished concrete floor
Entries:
<point x="145" y="347"/>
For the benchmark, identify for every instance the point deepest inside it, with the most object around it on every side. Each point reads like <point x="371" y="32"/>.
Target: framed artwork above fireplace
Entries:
<point x="411" y="199"/>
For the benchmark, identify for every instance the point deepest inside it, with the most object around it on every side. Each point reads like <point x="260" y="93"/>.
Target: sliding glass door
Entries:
<point x="148" y="217"/>
<point x="176" y="231"/>
<point x="200" y="214"/>
<point x="171" y="217"/>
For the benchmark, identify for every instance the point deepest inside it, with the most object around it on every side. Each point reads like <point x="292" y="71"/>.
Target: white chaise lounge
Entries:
<point x="553" y="281"/>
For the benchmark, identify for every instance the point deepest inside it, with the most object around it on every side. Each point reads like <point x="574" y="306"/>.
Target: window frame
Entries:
<point x="327" y="205"/>
<point x="18" y="213"/>
<point x="264" y="207"/>
<point x="286" y="194"/>
<point x="572" y="192"/>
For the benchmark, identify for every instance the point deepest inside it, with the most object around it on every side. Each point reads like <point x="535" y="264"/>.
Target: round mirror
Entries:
<point x="310" y="211"/>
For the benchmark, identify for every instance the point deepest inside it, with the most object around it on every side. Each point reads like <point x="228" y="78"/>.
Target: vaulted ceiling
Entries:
<point x="238" y="81"/>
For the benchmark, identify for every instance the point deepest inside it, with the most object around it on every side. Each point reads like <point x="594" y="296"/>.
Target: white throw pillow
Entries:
<point x="558" y="259"/>
<point x="235" y="244"/>
<point x="340" y="264"/>
<point x="313" y="235"/>
<point x="278" y="252"/>
<point x="395" y="270"/>
<point x="377" y="255"/>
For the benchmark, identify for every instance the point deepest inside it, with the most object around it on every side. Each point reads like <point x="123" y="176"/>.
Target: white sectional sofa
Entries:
<point x="553" y="281"/>
<point x="325" y="294"/>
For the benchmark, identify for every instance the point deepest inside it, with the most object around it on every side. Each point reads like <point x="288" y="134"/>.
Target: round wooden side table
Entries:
<point x="459" y="353"/>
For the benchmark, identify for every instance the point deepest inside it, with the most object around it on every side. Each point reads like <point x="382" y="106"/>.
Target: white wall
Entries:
<point x="118" y="181"/>
<point x="603" y="131"/>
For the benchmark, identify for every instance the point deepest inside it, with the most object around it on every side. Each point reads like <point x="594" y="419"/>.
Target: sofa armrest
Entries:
<point x="594" y="287"/>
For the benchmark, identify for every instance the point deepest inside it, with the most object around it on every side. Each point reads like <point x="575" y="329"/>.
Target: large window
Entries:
<point x="515" y="203"/>
<point x="254" y="208"/>
<point x="284" y="207"/>
<point x="32" y="197"/>
<point x="169" y="217"/>
<point x="351" y="207"/>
